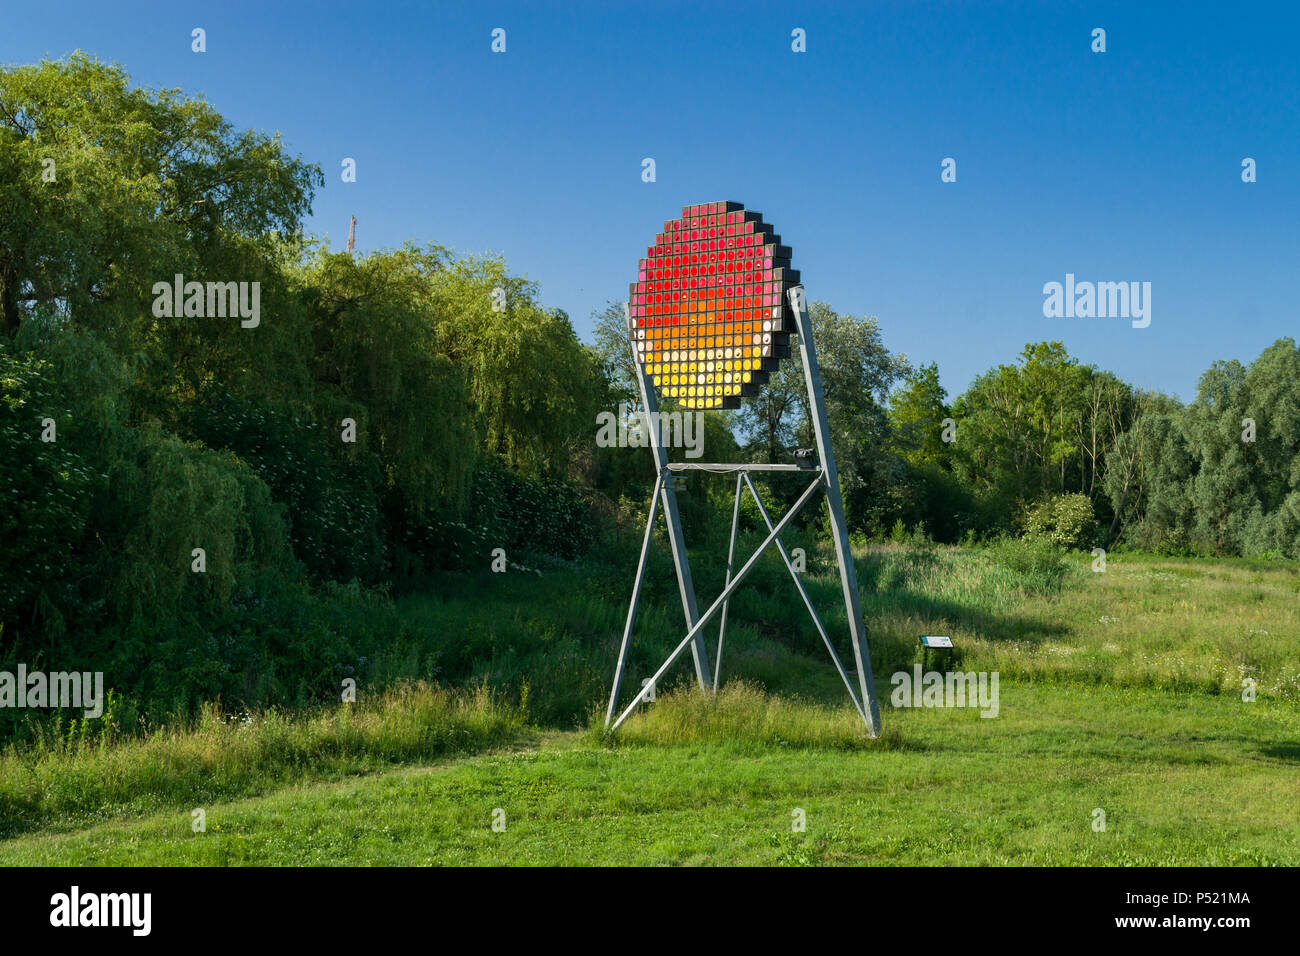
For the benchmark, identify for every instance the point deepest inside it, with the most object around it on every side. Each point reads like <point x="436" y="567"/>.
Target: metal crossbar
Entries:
<point x="723" y="467"/>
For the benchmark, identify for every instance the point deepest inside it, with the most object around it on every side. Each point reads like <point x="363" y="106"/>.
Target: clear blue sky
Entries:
<point x="1117" y="166"/>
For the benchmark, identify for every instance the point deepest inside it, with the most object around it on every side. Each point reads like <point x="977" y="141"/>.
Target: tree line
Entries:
<point x="1045" y="445"/>
<point x="224" y="510"/>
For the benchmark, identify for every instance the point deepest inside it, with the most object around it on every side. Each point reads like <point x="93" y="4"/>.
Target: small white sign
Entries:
<point x="937" y="641"/>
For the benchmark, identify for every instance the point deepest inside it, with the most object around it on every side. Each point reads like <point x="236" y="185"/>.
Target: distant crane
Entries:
<point x="352" y="234"/>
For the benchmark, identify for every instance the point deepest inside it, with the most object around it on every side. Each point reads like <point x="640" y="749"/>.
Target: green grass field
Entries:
<point x="1120" y="692"/>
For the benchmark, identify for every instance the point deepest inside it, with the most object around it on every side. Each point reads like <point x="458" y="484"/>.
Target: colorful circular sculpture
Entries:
<point x="709" y="311"/>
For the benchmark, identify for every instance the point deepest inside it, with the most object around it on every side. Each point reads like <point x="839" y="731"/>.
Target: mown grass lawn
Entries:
<point x="1182" y="779"/>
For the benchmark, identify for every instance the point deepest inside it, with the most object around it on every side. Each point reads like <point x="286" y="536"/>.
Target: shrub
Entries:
<point x="522" y="515"/>
<point x="176" y="496"/>
<point x="333" y="515"/>
<point x="1065" y="520"/>
<point x="1034" y="564"/>
<point x="278" y="643"/>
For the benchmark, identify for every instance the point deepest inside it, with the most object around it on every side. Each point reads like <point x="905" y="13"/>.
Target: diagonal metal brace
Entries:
<point x="803" y="593"/>
<point x="636" y="598"/>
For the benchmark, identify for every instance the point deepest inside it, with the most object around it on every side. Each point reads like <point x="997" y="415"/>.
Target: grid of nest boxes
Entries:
<point x="710" y="318"/>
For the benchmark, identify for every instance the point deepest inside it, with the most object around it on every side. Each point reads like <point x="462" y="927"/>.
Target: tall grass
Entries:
<point x="744" y="716"/>
<point x="219" y="756"/>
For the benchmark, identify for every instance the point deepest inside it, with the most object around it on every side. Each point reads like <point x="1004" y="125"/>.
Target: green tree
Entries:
<point x="1107" y="409"/>
<point x="917" y="410"/>
<point x="1273" y="388"/>
<point x="47" y="487"/>
<point x="379" y="357"/>
<point x="106" y="189"/>
<point x="857" y="372"/>
<point x="1018" y="428"/>
<point x="537" y="388"/>
<point x="1147" y="470"/>
<point x="610" y="348"/>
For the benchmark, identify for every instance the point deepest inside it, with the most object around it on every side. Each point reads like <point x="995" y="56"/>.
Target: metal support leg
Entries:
<point x="636" y="599"/>
<point x="650" y="404"/>
<point x="731" y="557"/>
<point x="835" y="504"/>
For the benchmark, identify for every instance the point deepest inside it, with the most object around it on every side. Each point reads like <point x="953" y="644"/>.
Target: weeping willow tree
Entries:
<point x="107" y="188"/>
<point x="536" y="387"/>
<point x="376" y="359"/>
